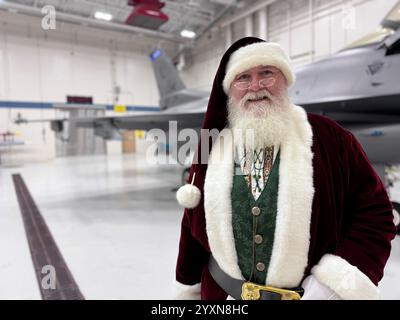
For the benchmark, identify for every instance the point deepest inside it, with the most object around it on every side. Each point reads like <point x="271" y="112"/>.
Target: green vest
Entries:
<point x="264" y="223"/>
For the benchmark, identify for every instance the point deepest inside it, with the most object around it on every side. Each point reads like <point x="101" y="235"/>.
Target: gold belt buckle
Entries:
<point x="251" y="291"/>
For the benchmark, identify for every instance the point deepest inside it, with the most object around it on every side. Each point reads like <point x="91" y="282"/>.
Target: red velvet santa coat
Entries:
<point x="334" y="218"/>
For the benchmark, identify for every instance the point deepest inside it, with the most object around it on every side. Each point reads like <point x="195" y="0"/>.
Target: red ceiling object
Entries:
<point x="147" y="14"/>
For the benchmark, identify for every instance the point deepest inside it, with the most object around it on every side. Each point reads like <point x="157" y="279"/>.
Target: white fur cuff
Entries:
<point x="345" y="279"/>
<point x="186" y="292"/>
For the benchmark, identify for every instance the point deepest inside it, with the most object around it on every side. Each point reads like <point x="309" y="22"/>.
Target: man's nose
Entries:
<point x="255" y="85"/>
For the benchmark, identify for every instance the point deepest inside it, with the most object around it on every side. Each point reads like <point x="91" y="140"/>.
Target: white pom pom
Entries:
<point x="188" y="196"/>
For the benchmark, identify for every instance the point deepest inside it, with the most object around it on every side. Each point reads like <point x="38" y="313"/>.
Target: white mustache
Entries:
<point x="257" y="95"/>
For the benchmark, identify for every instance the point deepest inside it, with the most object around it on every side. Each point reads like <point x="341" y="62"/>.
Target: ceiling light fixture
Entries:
<point x="103" y="16"/>
<point x="188" y="34"/>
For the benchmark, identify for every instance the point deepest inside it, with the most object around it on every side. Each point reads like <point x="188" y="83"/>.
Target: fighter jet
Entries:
<point x="359" y="87"/>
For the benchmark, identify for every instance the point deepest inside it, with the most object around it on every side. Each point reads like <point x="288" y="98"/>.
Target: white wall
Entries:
<point x="204" y="64"/>
<point x="38" y="69"/>
<point x="46" y="66"/>
<point x="305" y="37"/>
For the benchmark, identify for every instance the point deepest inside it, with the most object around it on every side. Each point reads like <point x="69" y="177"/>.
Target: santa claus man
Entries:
<point x="295" y="212"/>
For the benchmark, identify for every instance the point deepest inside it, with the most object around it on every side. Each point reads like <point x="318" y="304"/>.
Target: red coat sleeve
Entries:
<point x="367" y="225"/>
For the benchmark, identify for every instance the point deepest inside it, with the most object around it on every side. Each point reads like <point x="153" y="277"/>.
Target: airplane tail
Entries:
<point x="170" y="86"/>
<point x="167" y="77"/>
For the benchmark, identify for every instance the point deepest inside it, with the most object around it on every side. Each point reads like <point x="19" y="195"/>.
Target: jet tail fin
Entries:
<point x="167" y="77"/>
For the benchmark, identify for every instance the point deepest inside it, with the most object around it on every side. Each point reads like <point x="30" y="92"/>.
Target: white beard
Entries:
<point x="261" y="123"/>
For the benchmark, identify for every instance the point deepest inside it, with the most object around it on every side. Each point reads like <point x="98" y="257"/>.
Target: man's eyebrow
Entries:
<point x="242" y="74"/>
<point x="263" y="68"/>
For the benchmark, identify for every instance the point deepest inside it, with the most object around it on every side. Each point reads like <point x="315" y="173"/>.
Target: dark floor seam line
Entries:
<point x="43" y="249"/>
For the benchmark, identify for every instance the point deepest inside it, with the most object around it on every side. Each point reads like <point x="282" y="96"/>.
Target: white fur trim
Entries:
<point x="186" y="292"/>
<point x="345" y="279"/>
<point x="217" y="204"/>
<point x="253" y="55"/>
<point x="295" y="196"/>
<point x="292" y="234"/>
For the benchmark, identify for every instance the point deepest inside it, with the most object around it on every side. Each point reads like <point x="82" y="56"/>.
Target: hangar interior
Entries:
<point x="112" y="213"/>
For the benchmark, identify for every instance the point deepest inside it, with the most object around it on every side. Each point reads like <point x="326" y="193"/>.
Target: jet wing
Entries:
<point x="187" y="115"/>
<point x="379" y="142"/>
<point x="351" y="119"/>
<point x="145" y="121"/>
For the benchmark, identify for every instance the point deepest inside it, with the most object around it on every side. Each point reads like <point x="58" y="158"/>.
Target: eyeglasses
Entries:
<point x="263" y="83"/>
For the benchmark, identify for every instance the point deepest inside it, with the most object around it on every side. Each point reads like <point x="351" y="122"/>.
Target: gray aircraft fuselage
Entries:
<point x="360" y="89"/>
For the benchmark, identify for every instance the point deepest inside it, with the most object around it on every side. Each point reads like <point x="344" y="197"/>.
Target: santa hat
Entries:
<point x="242" y="55"/>
<point x="256" y="54"/>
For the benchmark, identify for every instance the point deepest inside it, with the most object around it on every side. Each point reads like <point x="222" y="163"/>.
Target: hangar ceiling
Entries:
<point x="193" y="15"/>
<point x="200" y="16"/>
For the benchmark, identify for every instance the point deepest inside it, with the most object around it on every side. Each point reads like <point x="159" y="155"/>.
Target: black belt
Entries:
<point x="242" y="290"/>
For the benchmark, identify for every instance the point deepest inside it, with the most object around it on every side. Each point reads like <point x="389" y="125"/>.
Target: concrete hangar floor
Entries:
<point x="116" y="223"/>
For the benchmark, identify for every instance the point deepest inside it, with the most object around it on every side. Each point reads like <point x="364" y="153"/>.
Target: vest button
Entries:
<point x="255" y="211"/>
<point x="260" y="266"/>
<point x="258" y="238"/>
